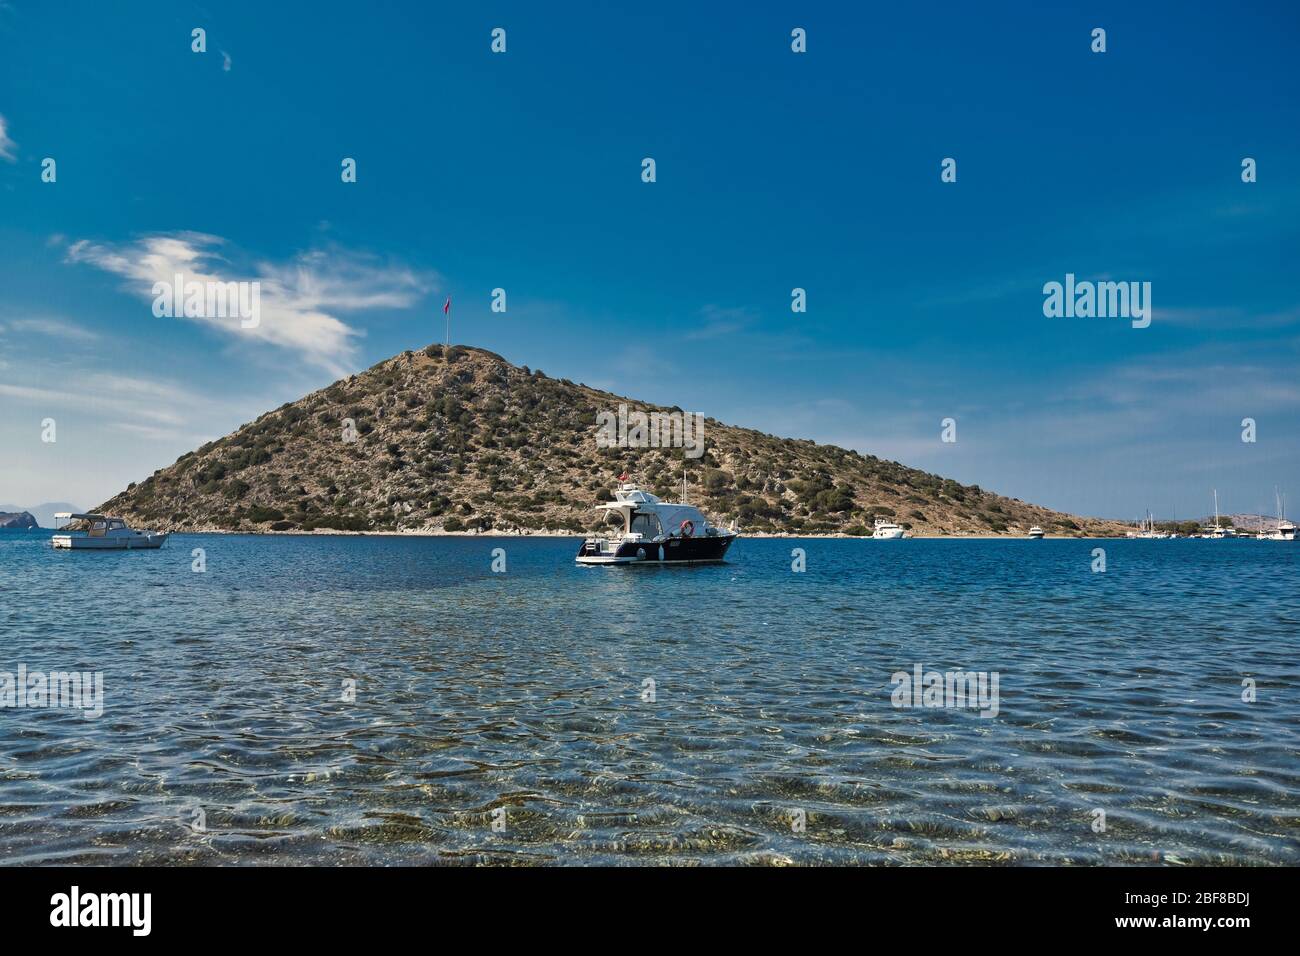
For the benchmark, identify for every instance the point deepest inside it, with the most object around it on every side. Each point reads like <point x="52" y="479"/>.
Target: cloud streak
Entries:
<point x="7" y="145"/>
<point x="123" y="398"/>
<point x="54" y="328"/>
<point x="300" y="299"/>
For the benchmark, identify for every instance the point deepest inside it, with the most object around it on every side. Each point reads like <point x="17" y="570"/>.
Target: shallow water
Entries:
<point x="517" y="699"/>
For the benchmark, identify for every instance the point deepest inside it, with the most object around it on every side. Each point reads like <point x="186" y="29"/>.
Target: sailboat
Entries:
<point x="1147" y="529"/>
<point x="1216" y="531"/>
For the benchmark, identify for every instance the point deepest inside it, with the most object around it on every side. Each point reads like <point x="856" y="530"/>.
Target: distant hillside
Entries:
<point x="22" y="519"/>
<point x="1242" y="522"/>
<point x="1249" y="522"/>
<point x="463" y="440"/>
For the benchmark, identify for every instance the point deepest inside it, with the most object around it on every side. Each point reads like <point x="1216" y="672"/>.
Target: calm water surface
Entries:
<point x="479" y="692"/>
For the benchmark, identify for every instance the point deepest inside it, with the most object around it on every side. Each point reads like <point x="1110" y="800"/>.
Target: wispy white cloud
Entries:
<point x="1226" y="317"/>
<point x="7" y="145"/>
<point x="742" y="328"/>
<point x="1195" y="383"/>
<point x="225" y="61"/>
<point x="300" y="299"/>
<point x="719" y="322"/>
<point x="113" y="428"/>
<point x="123" y="399"/>
<point x="54" y="328"/>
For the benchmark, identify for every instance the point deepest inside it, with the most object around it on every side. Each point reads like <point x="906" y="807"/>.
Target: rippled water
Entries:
<point x="479" y="692"/>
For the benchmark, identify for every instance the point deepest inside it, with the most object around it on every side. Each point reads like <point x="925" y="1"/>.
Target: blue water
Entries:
<point x="517" y="699"/>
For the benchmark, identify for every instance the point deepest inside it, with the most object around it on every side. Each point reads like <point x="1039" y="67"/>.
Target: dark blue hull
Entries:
<point x="673" y="551"/>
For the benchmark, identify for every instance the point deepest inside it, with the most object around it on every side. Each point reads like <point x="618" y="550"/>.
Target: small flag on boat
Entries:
<point x="623" y="477"/>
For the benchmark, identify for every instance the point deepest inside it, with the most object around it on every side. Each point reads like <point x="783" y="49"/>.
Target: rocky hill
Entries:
<point x="43" y="513"/>
<point x="20" y="520"/>
<point x="460" y="440"/>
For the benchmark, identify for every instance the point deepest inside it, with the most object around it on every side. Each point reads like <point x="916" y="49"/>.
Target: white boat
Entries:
<point x="104" y="533"/>
<point x="1217" y="532"/>
<point x="1285" y="530"/>
<point x="1037" y="532"/>
<point x="654" y="531"/>
<point x="887" y="530"/>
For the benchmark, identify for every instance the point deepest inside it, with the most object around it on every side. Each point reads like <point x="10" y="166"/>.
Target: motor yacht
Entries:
<point x="886" y="530"/>
<point x="646" y="530"/>
<point x="1285" y="530"/>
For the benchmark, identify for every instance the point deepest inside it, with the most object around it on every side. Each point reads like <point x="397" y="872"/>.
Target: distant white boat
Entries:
<point x="1285" y="530"/>
<point x="1216" y="531"/>
<point x="1146" y="529"/>
<point x="105" y="534"/>
<point x="887" y="530"/>
<point x="1036" y="532"/>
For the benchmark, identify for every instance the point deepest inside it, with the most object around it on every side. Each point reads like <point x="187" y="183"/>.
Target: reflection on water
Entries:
<point x="225" y="738"/>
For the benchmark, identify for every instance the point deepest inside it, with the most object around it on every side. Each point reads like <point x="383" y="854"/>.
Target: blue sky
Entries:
<point x="775" y="170"/>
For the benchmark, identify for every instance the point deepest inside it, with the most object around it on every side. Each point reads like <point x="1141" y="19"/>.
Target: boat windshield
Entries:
<point x="645" y="524"/>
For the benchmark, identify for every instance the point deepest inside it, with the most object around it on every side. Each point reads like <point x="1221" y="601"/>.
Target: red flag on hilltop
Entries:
<point x="446" y="306"/>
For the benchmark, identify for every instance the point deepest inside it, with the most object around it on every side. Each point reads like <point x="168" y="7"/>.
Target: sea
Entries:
<point x="285" y="700"/>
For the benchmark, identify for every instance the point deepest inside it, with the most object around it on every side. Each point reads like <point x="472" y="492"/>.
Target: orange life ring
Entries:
<point x="688" y="528"/>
